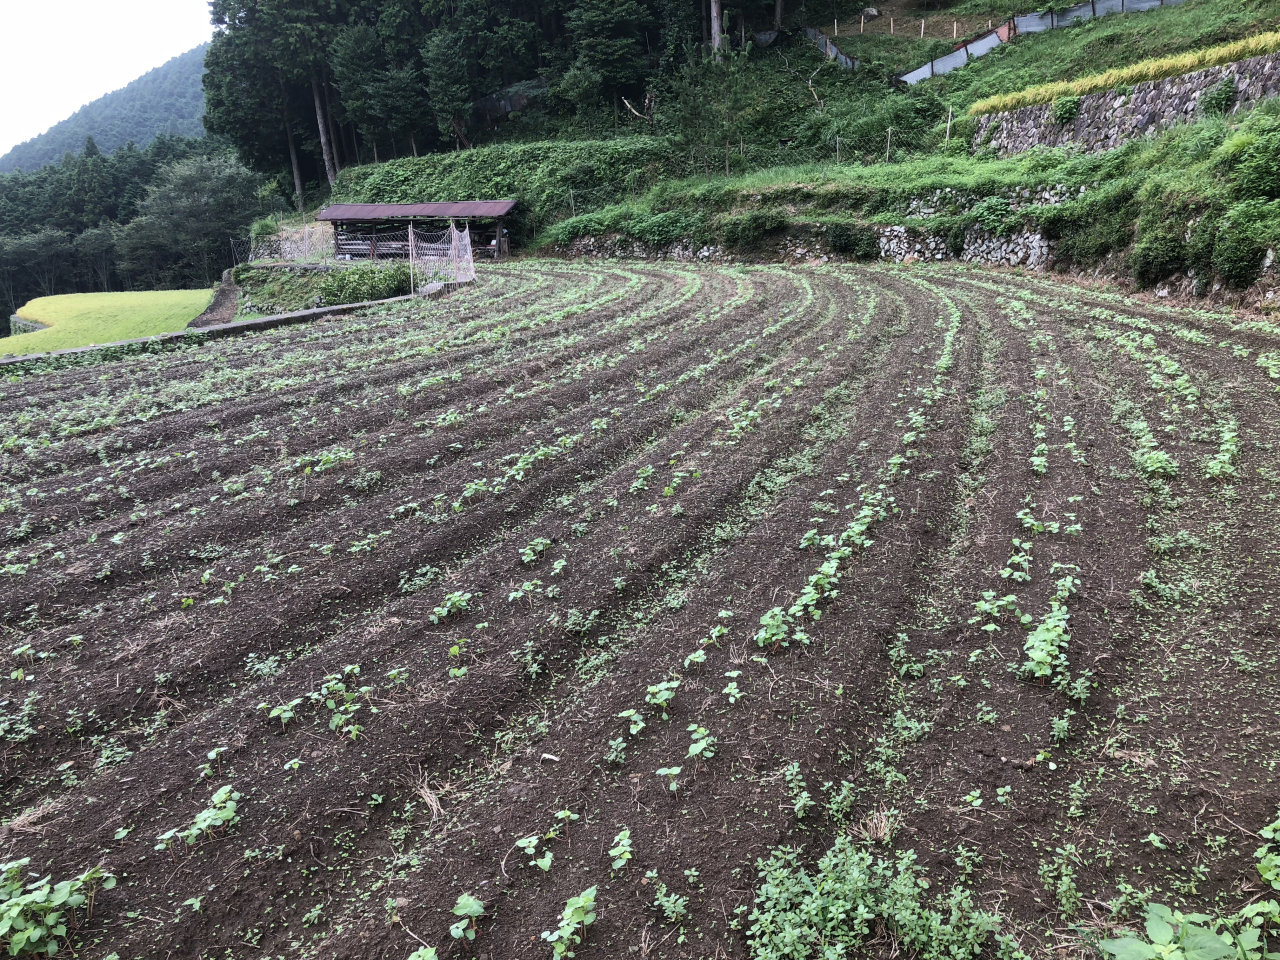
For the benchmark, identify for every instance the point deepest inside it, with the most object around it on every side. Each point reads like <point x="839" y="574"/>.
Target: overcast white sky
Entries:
<point x="58" y="55"/>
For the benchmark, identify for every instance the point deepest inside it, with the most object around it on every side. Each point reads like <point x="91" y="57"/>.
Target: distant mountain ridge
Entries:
<point x="168" y="99"/>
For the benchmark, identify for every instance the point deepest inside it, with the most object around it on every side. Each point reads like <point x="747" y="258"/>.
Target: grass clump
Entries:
<point x="82" y="319"/>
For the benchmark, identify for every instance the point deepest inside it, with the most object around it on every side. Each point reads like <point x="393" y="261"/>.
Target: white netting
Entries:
<point x="434" y="256"/>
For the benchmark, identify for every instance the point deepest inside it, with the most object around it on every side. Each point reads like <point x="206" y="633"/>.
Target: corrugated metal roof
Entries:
<point x="406" y="211"/>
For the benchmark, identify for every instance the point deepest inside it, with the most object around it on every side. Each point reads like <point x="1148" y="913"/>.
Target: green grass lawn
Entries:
<point x="81" y="319"/>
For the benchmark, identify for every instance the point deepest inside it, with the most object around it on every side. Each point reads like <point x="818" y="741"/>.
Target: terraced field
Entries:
<point x="751" y="612"/>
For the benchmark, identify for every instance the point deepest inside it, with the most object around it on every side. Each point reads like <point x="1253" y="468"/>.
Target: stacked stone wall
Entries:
<point x="1110" y="118"/>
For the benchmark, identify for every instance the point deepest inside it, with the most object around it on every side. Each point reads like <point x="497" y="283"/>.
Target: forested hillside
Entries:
<point x="141" y="219"/>
<point x="166" y="100"/>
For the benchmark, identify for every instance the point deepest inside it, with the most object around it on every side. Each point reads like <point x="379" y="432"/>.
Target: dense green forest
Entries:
<point x="159" y="217"/>
<point x="166" y="100"/>
<point x="304" y="89"/>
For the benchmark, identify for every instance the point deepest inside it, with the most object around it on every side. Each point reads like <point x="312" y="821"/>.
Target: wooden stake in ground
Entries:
<point x="949" y="113"/>
<point x="955" y="29"/>
<point x="921" y="29"/>
<point x="888" y="145"/>
<point x="862" y="26"/>
<point x="891" y="26"/>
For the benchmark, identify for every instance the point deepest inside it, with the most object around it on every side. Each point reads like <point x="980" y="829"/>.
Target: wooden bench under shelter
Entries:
<point x="377" y="231"/>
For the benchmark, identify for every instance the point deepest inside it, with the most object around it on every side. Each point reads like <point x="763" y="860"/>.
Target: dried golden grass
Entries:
<point x="1159" y="69"/>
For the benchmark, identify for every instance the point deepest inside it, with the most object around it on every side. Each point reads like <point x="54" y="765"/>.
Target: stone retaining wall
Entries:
<point x="1026" y="249"/>
<point x="1110" y="117"/>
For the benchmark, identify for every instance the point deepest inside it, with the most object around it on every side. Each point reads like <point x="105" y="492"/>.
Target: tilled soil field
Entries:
<point x="745" y="612"/>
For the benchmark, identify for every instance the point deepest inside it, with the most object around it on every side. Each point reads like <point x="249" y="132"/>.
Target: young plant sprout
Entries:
<point x="469" y="909"/>
<point x="670" y="773"/>
<point x="621" y="850"/>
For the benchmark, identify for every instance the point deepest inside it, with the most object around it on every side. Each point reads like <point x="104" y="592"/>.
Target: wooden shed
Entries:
<point x="373" y="230"/>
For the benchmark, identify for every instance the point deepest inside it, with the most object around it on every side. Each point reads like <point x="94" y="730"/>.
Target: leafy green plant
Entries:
<point x="454" y="602"/>
<point x="850" y="897"/>
<point x="1268" y="855"/>
<point x="579" y="913"/>
<point x="1171" y="935"/>
<point x="1065" y="110"/>
<point x="661" y="694"/>
<point x="221" y="812"/>
<point x="635" y="719"/>
<point x="284" y="712"/>
<point x="621" y="849"/>
<point x="469" y="909"/>
<point x="673" y="906"/>
<point x="801" y="801"/>
<point x="703" y="745"/>
<point x="34" y="915"/>
<point x="670" y="773"/>
<point x="365" y="282"/>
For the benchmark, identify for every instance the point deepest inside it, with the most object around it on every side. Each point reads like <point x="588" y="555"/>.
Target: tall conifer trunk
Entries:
<point x="293" y="150"/>
<point x="717" y="25"/>
<point x="326" y="148"/>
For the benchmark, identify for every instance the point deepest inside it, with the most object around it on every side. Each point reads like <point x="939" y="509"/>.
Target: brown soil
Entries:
<point x="613" y="460"/>
<point x="222" y="309"/>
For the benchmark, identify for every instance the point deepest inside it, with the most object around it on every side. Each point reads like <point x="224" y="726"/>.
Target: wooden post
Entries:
<point x="891" y="26"/>
<point x="955" y="29"/>
<point x="888" y="144"/>
<point x="837" y="148"/>
<point x="922" y="28"/>
<point x="413" y="286"/>
<point x="837" y="31"/>
<point x="950" y="110"/>
<point x="862" y="24"/>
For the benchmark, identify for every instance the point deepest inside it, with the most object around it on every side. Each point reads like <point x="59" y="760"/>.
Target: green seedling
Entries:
<point x="469" y="909"/>
<point x="621" y="850"/>
<point x="284" y="712"/>
<point x="670" y="773"/>
<point x="635" y="718"/>
<point x="579" y="913"/>
<point x="661" y="694"/>
<point x="703" y="746"/>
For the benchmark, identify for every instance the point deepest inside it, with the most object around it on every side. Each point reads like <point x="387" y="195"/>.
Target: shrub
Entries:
<point x="1065" y="110"/>
<point x="33" y="916"/>
<point x="746" y="230"/>
<point x="854" y="240"/>
<point x="1220" y="99"/>
<point x="1258" y="168"/>
<point x="363" y="283"/>
<point x="264" y="227"/>
<point x="1158" y="255"/>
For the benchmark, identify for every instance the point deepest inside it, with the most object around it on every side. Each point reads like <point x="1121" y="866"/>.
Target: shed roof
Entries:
<point x="409" y="211"/>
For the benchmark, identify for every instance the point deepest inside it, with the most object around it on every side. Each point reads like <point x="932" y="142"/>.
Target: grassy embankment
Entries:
<point x="82" y="319"/>
<point x="1108" y="43"/>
